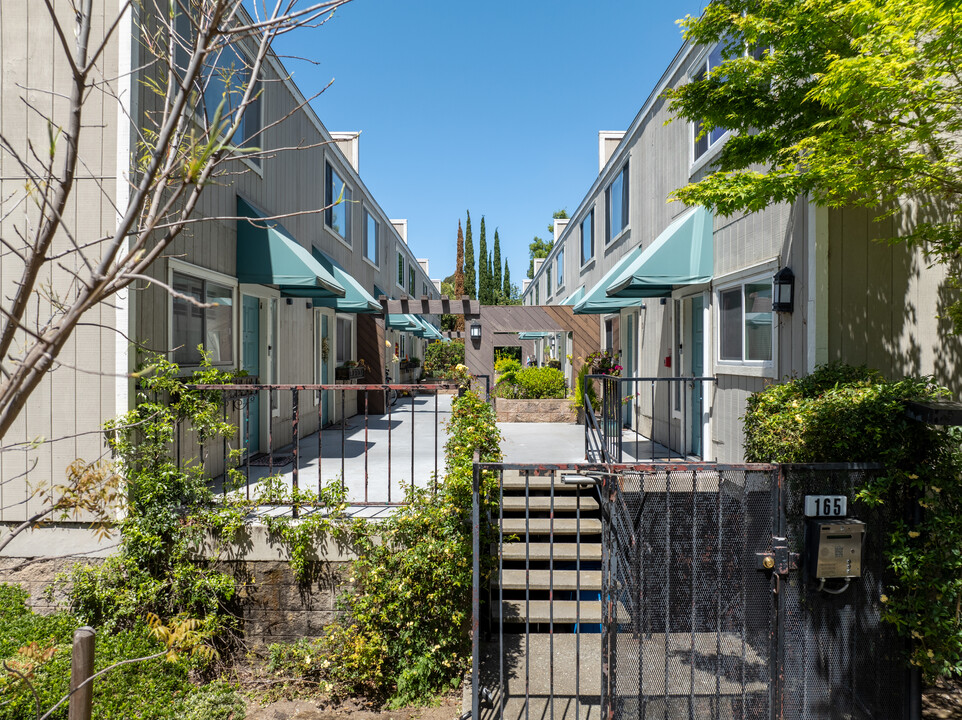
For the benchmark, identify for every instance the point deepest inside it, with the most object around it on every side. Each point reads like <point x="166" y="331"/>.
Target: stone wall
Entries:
<point x="274" y="606"/>
<point x="558" y="411"/>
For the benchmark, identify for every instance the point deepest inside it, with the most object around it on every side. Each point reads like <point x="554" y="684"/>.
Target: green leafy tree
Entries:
<point x="538" y="248"/>
<point x="561" y="214"/>
<point x="483" y="284"/>
<point x="469" y="274"/>
<point x="852" y="102"/>
<point x="506" y="292"/>
<point x="496" y="264"/>
<point x="459" y="281"/>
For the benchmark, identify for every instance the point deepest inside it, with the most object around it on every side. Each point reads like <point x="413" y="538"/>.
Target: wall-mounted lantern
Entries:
<point x="783" y="286"/>
<point x="475" y="331"/>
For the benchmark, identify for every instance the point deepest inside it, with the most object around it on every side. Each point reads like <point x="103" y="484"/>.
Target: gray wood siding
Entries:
<point x="66" y="410"/>
<point x="885" y="302"/>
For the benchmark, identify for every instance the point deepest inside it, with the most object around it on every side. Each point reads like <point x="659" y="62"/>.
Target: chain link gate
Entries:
<point x="703" y="610"/>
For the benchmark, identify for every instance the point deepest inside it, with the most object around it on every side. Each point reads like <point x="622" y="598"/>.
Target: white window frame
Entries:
<point x="352" y="355"/>
<point x="367" y="215"/>
<point x="559" y="268"/>
<point x="585" y="261"/>
<point x="755" y="368"/>
<point x="196" y="271"/>
<point x="623" y="173"/>
<point x="329" y="198"/>
<point x="400" y="269"/>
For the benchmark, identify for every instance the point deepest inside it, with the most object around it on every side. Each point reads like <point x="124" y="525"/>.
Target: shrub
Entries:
<point x="405" y="633"/>
<point x="583" y="387"/>
<point x="506" y="364"/>
<point x="847" y="414"/>
<point x="148" y="689"/>
<point x="532" y="384"/>
<point x="441" y="357"/>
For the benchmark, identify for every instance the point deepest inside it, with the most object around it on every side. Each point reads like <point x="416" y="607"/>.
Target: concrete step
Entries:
<point x="543" y="579"/>
<point x="513" y="480"/>
<point x="540" y="552"/>
<point x="538" y="672"/>
<point x="541" y="503"/>
<point x="541" y="611"/>
<point x="543" y="526"/>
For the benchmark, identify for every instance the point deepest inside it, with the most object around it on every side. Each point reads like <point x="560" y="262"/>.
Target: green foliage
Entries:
<point x="532" y="384"/>
<point x="138" y="690"/>
<point x="156" y="570"/>
<point x="506" y="364"/>
<point x="538" y="248"/>
<point x="470" y="277"/>
<point x="484" y="284"/>
<point x="496" y="267"/>
<point x="853" y="102"/>
<point x="583" y="387"/>
<point x="846" y="414"/>
<point x="388" y="644"/>
<point x="216" y="701"/>
<point x="441" y="357"/>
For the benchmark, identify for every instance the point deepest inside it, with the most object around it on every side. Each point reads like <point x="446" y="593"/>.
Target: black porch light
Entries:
<point x="475" y="331"/>
<point x="783" y="286"/>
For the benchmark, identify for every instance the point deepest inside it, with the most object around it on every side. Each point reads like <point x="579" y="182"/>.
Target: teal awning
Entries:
<point x="681" y="255"/>
<point x="597" y="302"/>
<point x="430" y="331"/>
<point x="356" y="299"/>
<point x="268" y="255"/>
<point x="574" y="297"/>
<point x="533" y="335"/>
<point x="404" y="323"/>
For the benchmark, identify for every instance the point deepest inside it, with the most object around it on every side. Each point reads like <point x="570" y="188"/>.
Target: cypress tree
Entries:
<point x="469" y="276"/>
<point x="506" y="289"/>
<point x="459" y="278"/>
<point x="496" y="265"/>
<point x="483" y="267"/>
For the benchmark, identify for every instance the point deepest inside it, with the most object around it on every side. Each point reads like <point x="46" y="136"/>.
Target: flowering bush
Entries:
<point x="603" y="362"/>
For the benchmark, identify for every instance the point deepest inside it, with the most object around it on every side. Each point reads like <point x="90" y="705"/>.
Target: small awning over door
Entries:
<point x="356" y="299"/>
<point x="681" y="255"/>
<point x="268" y="255"/>
<point x="597" y="302"/>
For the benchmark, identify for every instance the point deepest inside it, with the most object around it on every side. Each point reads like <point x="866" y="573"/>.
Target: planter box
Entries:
<point x="559" y="411"/>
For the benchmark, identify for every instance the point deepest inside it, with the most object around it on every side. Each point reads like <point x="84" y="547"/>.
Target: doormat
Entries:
<point x="263" y="459"/>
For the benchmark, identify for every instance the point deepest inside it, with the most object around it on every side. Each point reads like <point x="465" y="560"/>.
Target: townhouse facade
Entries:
<point x="288" y="258"/>
<point x="682" y="292"/>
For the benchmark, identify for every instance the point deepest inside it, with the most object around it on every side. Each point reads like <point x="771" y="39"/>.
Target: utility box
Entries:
<point x="834" y="548"/>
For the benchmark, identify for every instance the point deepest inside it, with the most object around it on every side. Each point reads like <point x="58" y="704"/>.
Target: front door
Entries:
<point x="629" y="368"/>
<point x="697" y="356"/>
<point x="250" y="362"/>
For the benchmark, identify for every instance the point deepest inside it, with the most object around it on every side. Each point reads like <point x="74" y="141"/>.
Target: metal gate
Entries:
<point x="661" y="591"/>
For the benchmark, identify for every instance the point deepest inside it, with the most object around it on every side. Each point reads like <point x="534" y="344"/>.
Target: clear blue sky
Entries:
<point x="491" y="107"/>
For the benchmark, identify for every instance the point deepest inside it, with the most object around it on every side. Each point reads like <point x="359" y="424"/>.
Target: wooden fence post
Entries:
<point x="81" y="668"/>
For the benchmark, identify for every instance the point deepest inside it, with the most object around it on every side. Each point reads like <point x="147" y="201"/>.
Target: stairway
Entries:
<point x="550" y="658"/>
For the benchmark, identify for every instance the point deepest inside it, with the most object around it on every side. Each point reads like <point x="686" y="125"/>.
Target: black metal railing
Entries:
<point x="684" y="594"/>
<point x="666" y="416"/>
<point x="365" y="447"/>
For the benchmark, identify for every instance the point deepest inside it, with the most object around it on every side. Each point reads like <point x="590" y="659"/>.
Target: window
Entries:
<point x="370" y="237"/>
<point x="560" y="267"/>
<point x="411" y="284"/>
<point x="537" y="293"/>
<point x="337" y="217"/>
<point x="547" y="284"/>
<point x="703" y="142"/>
<point x="588" y="238"/>
<point x="345" y="339"/>
<point x="192" y="325"/>
<point x="745" y="322"/>
<point x="424" y="288"/>
<point x="616" y="205"/>
<point x="400" y="269"/>
<point x="225" y="78"/>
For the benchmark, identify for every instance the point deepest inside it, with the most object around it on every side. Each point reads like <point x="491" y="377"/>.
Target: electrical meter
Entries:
<point x="834" y="548"/>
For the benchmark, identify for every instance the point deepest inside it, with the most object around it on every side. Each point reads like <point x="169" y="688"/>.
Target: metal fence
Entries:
<point x="666" y="414"/>
<point x="377" y="456"/>
<point x="675" y="590"/>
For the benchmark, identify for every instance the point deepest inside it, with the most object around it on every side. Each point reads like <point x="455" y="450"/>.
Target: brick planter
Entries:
<point x="559" y="411"/>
